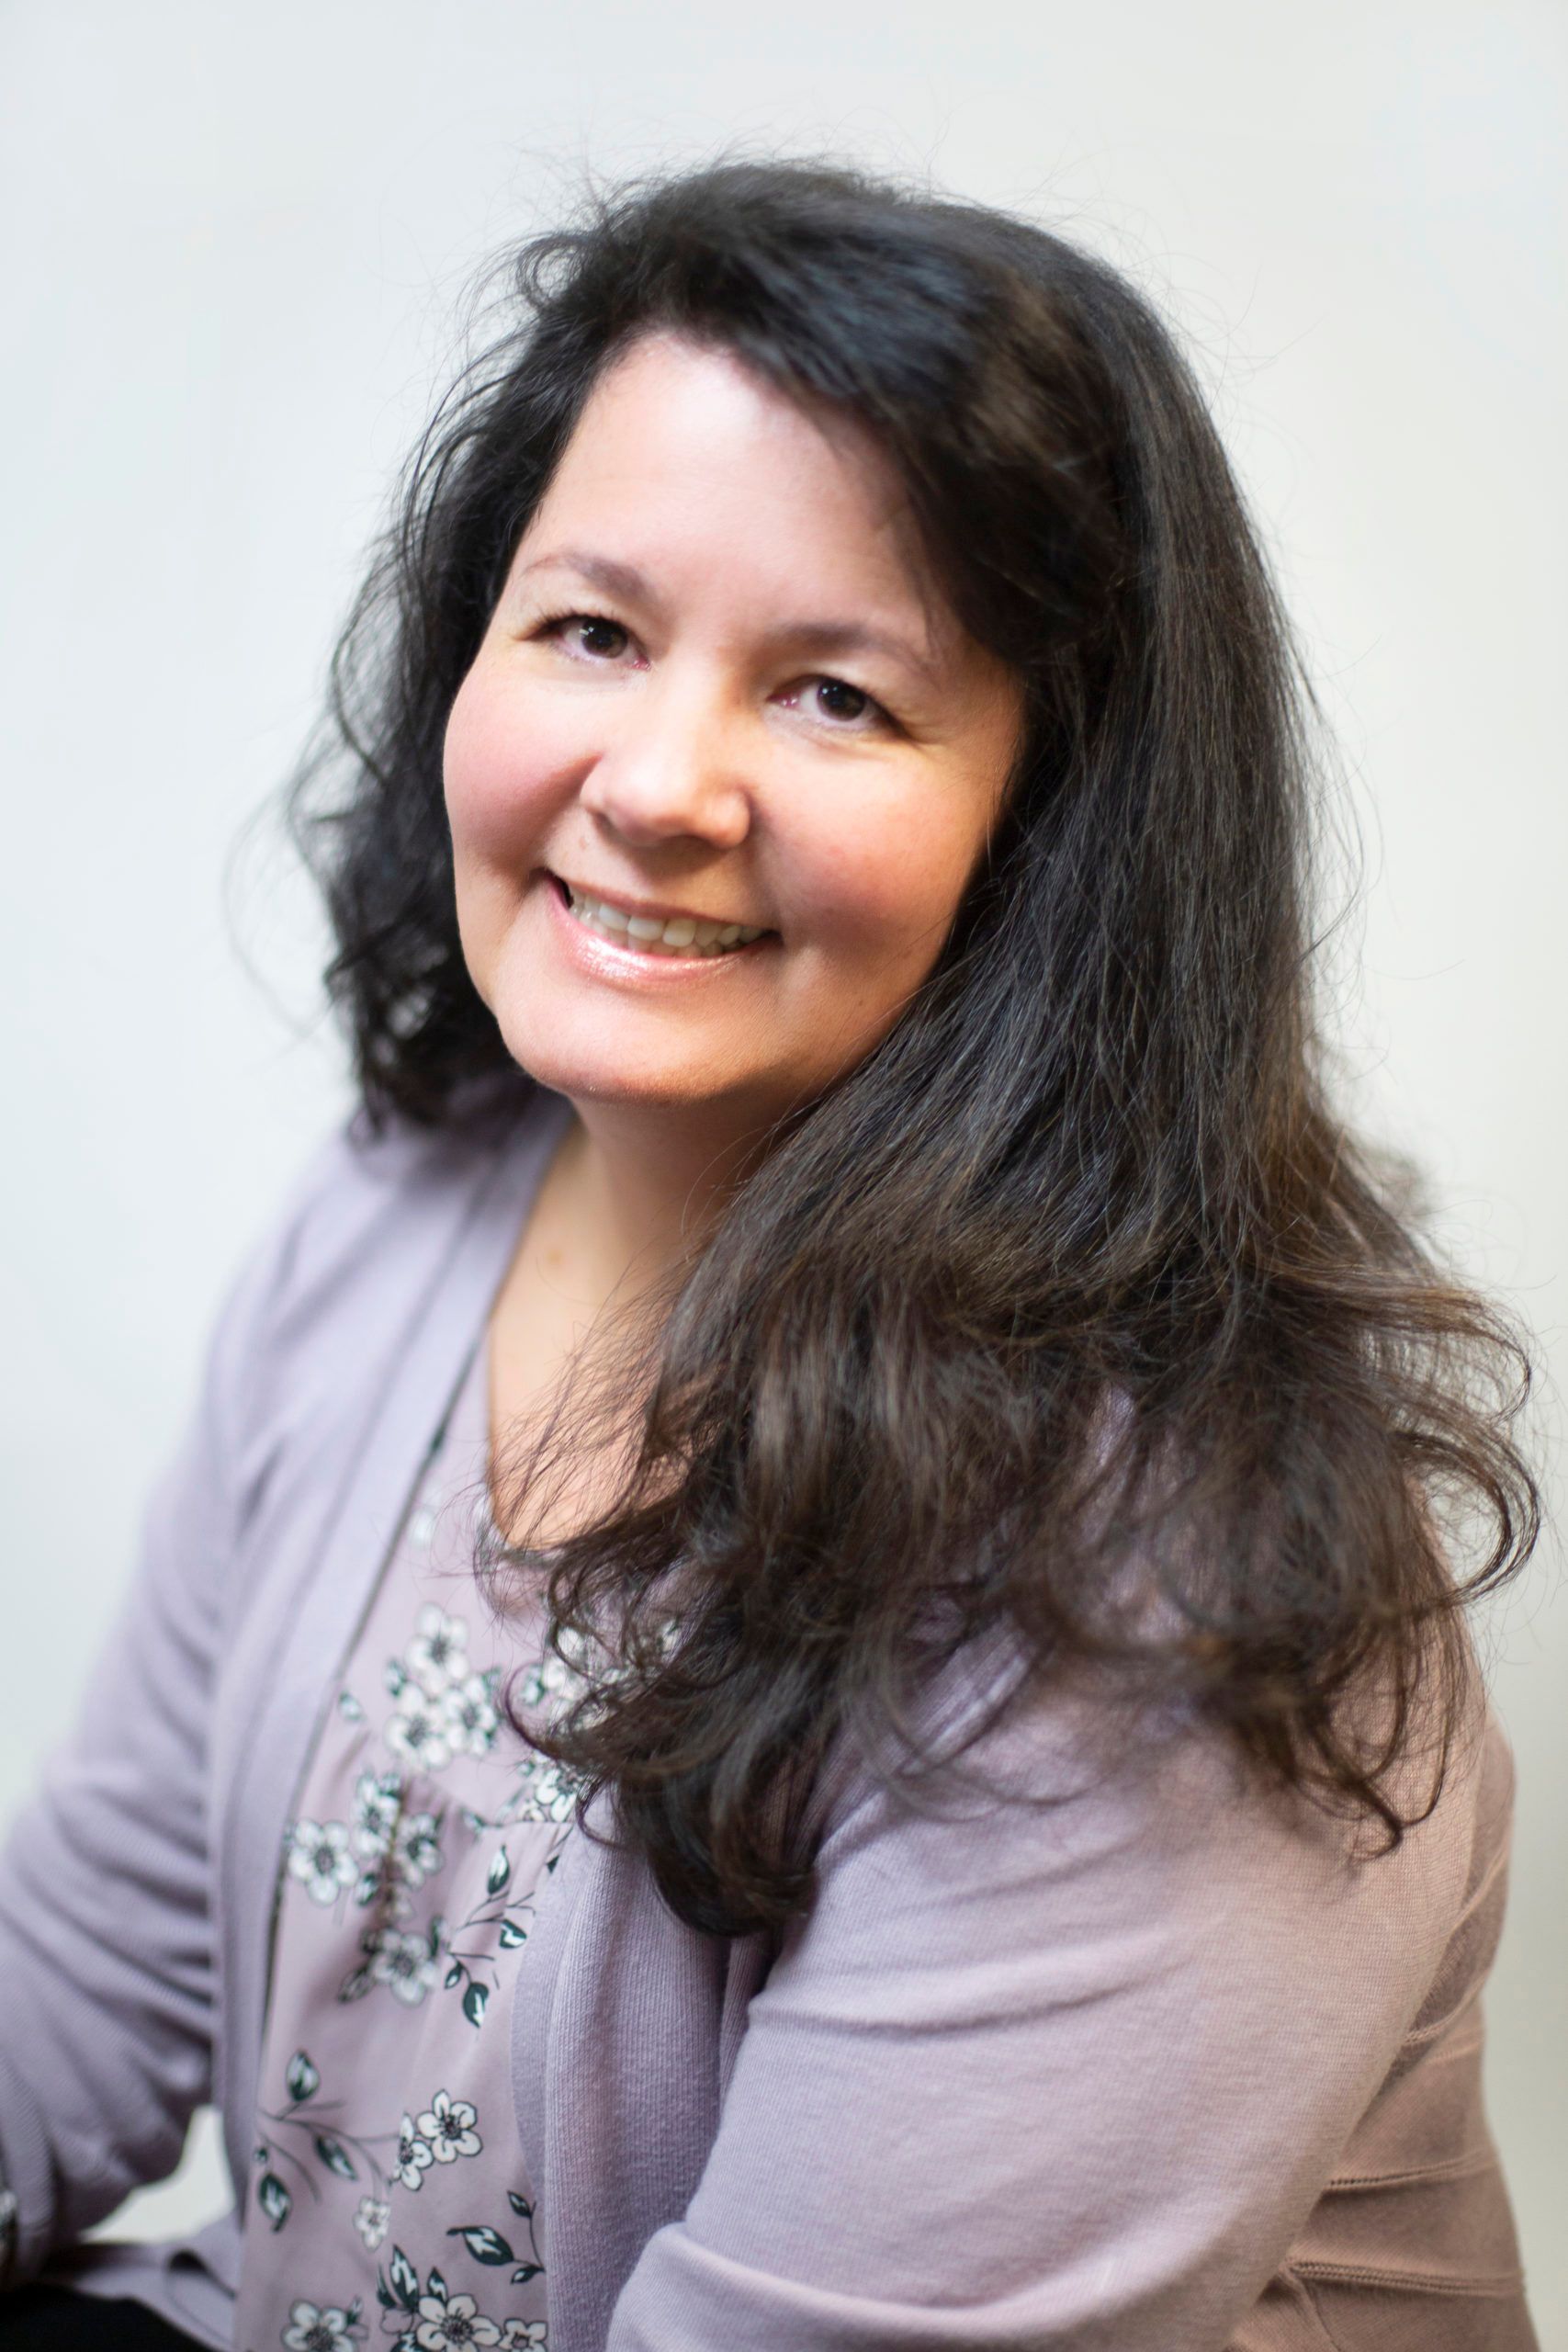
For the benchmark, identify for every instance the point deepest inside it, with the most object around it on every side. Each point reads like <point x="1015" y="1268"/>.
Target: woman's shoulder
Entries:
<point x="364" y="1176"/>
<point x="372" y="1199"/>
<point x="1080" y="1811"/>
<point x="320" y="1296"/>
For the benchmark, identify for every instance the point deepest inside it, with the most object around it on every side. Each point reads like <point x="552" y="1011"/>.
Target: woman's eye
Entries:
<point x="591" y="629"/>
<point x="850" y="708"/>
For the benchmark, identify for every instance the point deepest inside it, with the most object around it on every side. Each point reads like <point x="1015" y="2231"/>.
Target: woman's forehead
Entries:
<point x="686" y="464"/>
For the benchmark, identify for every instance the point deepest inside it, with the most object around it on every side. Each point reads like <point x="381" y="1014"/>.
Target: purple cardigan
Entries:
<point x="1157" y="2067"/>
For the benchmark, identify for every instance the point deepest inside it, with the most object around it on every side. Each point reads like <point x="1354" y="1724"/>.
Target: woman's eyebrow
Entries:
<point x="824" y="639"/>
<point x="616" y="579"/>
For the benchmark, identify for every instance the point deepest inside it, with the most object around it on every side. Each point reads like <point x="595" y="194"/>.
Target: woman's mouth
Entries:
<point x="683" y="935"/>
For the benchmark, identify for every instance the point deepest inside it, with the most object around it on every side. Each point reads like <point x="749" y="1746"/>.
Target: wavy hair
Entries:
<point x="1072" y="1312"/>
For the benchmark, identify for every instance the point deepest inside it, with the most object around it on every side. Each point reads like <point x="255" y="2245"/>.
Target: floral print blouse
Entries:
<point x="387" y="2205"/>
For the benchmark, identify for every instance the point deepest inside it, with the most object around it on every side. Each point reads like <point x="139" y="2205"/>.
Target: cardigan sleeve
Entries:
<point x="1051" y="2075"/>
<point x="107" y="1953"/>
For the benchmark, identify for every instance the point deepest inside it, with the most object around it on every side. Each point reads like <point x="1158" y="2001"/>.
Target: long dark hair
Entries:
<point x="1073" y="1310"/>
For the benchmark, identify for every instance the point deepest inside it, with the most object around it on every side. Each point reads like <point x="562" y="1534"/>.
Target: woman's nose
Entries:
<point x="671" y="769"/>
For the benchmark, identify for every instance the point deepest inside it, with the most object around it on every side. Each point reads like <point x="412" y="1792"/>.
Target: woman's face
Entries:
<point x="712" y="695"/>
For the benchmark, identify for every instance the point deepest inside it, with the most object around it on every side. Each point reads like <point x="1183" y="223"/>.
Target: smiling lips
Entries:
<point x="652" y="934"/>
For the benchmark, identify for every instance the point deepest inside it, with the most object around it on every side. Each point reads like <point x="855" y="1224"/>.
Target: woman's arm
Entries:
<point x="1052" y="2077"/>
<point x="106" y="1955"/>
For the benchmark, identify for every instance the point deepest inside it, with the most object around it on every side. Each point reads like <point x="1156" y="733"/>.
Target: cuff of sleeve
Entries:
<point x="25" y="2180"/>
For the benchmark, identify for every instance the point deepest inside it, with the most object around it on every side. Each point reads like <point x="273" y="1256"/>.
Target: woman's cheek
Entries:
<point x="495" y="763"/>
<point x="883" y="887"/>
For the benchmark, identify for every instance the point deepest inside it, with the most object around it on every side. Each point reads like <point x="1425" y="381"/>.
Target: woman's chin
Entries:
<point x="634" y="1079"/>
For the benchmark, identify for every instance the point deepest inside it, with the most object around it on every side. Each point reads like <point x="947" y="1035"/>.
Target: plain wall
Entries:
<point x="233" y="242"/>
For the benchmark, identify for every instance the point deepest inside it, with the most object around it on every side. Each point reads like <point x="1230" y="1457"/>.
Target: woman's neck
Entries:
<point x="625" y="1200"/>
<point x="635" y="1188"/>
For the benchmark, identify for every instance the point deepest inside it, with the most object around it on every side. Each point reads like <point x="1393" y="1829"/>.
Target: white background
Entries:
<point x="232" y="242"/>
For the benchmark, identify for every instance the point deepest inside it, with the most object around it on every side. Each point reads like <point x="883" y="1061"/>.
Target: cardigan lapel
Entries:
<point x="625" y="2023"/>
<point x="415" y="1315"/>
<point x="614" y="2057"/>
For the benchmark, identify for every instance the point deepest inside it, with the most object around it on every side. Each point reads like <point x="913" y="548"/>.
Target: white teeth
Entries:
<point x="683" y="934"/>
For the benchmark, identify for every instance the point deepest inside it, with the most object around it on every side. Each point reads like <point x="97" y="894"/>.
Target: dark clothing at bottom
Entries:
<point x="55" y="2319"/>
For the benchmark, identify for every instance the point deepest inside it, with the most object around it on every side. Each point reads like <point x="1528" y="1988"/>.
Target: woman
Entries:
<point x="803" y="1683"/>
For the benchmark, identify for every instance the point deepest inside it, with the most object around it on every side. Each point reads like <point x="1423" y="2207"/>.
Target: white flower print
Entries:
<point x="519" y="2332"/>
<point x="545" y="1792"/>
<point x="448" y="2124"/>
<point x="470" y="1716"/>
<point x="404" y="1962"/>
<point x="370" y="2219"/>
<point x="453" y="2324"/>
<point x="319" y="1858"/>
<point x="315" y="2327"/>
<point x="412" y="2159"/>
<point x="418" y="1728"/>
<point x="551" y="1677"/>
<point x="416" y="1849"/>
<point x="377" y="1797"/>
<point x="438" y="1654"/>
<point x="382" y="1828"/>
<point x="373" y="1886"/>
<point x="560" y="1675"/>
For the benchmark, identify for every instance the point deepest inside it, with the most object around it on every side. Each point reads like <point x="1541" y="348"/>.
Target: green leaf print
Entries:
<point x="483" y="2242"/>
<point x="335" y="2156"/>
<point x="405" y="2279"/>
<point x="302" y="2079"/>
<point x="274" y="2200"/>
